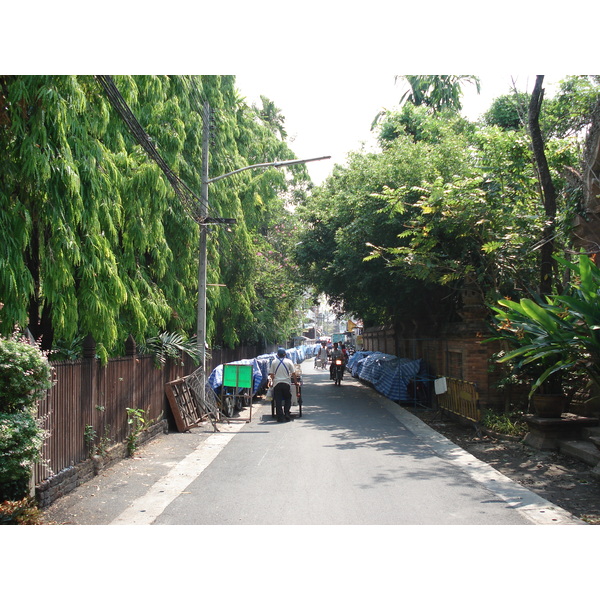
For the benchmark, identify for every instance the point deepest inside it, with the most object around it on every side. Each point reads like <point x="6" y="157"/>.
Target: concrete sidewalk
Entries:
<point x="115" y="489"/>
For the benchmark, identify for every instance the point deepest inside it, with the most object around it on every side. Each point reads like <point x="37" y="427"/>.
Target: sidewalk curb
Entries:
<point x="535" y="508"/>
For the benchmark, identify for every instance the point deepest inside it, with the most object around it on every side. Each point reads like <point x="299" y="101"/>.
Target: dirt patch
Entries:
<point x="560" y="479"/>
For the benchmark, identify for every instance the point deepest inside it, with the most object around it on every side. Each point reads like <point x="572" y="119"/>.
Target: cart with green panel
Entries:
<point x="236" y="391"/>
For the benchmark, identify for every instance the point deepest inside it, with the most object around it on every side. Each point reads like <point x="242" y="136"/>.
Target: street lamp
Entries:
<point x="205" y="220"/>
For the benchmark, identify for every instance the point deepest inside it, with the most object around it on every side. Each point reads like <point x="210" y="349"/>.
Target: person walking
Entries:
<point x="322" y="355"/>
<point x="280" y="372"/>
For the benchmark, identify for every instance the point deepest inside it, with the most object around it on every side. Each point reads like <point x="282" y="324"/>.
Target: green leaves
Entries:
<point x="21" y="439"/>
<point x="24" y="374"/>
<point x="445" y="201"/>
<point x="96" y="241"/>
<point x="170" y="345"/>
<point x="438" y="92"/>
<point x="559" y="334"/>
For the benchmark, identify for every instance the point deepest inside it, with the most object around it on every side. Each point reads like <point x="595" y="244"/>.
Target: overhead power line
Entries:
<point x="188" y="197"/>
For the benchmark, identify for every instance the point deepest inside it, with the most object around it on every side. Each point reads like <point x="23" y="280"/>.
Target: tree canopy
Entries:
<point x="97" y="241"/>
<point x="396" y="235"/>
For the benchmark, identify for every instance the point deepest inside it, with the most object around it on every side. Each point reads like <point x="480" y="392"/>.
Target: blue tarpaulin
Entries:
<point x="260" y="371"/>
<point x="388" y="374"/>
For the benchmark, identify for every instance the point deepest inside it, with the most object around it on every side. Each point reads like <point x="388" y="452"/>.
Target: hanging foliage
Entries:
<point x="96" y="240"/>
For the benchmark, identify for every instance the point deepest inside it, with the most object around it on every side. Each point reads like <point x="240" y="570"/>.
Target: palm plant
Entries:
<point x="437" y="91"/>
<point x="558" y="335"/>
<point x="170" y="345"/>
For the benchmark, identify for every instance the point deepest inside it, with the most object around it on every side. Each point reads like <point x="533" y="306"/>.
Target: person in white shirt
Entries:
<point x="322" y="355"/>
<point x="280" y="372"/>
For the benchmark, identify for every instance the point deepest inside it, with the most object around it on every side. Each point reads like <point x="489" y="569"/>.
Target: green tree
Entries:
<point x="349" y="216"/>
<point x="486" y="223"/>
<point x="443" y="203"/>
<point x="97" y="240"/>
<point x="437" y="92"/>
<point x="508" y="112"/>
<point x="569" y="111"/>
<point x="272" y="116"/>
<point x="91" y="212"/>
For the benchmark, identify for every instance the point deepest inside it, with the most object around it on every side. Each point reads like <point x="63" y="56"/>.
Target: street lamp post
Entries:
<point x="201" y="328"/>
<point x="204" y="221"/>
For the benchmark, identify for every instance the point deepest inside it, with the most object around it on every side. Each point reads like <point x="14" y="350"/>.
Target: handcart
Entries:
<point x="236" y="391"/>
<point x="320" y="363"/>
<point x="296" y="381"/>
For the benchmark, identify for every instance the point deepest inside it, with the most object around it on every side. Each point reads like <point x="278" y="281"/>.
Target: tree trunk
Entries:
<point x="548" y="190"/>
<point x="40" y="319"/>
<point x="587" y="225"/>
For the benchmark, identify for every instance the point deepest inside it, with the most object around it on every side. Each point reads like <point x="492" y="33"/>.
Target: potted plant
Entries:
<point x="555" y="336"/>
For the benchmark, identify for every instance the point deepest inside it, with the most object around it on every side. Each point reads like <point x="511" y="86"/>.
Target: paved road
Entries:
<point x="354" y="458"/>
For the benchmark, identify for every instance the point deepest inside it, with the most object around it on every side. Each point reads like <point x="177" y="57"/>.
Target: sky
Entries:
<point x="329" y="115"/>
<point x="328" y="65"/>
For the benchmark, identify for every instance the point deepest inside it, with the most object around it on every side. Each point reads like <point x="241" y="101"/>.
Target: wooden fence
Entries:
<point x="90" y="397"/>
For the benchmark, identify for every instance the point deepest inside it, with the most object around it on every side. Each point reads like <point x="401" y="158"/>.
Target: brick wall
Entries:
<point x="459" y="352"/>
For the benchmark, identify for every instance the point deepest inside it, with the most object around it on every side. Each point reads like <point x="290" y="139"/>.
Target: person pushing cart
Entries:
<point x="282" y="373"/>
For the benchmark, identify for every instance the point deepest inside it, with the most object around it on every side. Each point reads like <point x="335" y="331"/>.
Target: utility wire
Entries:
<point x="190" y="200"/>
<point x="120" y="105"/>
<point x="181" y="189"/>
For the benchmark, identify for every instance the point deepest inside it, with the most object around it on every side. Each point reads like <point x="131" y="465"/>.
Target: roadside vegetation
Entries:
<point x="25" y="375"/>
<point x="447" y="205"/>
<point x="97" y="240"/>
<point x="509" y="423"/>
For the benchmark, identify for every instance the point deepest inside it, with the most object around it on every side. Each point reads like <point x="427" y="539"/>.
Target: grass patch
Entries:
<point x="504" y="423"/>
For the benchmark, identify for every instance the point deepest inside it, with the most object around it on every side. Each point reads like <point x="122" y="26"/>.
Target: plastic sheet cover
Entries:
<point x="389" y="374"/>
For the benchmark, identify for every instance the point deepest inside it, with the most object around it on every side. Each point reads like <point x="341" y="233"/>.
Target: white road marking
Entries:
<point x="146" y="509"/>
<point x="533" y="507"/>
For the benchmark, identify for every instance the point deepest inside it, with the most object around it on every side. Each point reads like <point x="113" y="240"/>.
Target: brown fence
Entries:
<point x="461" y="398"/>
<point x="89" y="395"/>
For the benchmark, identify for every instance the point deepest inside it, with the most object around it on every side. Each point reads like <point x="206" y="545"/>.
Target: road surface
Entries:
<point x="354" y="458"/>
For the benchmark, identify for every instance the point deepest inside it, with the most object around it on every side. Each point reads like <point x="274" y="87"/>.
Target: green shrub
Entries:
<point x="21" y="439"/>
<point x="557" y="336"/>
<point x="24" y="374"/>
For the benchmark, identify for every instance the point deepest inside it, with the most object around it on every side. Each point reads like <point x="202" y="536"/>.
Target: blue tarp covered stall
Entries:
<point x="388" y="374"/>
<point x="260" y="371"/>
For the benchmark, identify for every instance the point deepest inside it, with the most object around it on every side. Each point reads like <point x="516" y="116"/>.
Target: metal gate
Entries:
<point x="461" y="398"/>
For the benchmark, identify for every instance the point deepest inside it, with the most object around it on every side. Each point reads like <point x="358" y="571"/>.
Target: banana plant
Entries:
<point x="557" y="335"/>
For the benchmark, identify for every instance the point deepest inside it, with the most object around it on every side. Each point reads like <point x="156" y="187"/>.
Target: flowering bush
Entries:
<point x="25" y="374"/>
